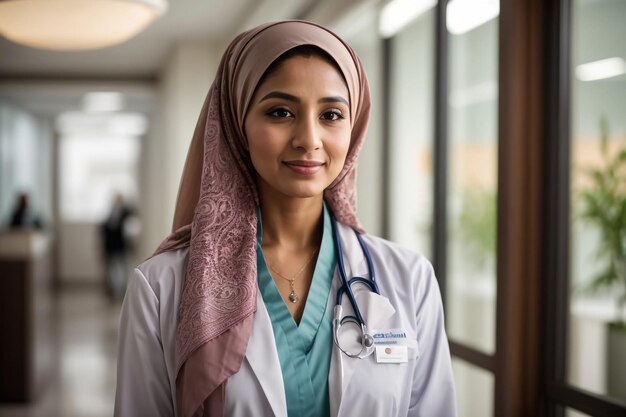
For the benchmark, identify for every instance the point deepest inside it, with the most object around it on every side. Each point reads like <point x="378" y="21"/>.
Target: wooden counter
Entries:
<point x="26" y="348"/>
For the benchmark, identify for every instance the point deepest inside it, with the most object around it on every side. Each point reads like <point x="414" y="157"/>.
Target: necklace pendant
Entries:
<point x="293" y="297"/>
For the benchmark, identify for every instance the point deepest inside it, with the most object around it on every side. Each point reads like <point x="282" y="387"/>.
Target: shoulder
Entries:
<point x="397" y="256"/>
<point x="165" y="272"/>
<point x="398" y="263"/>
<point x="402" y="271"/>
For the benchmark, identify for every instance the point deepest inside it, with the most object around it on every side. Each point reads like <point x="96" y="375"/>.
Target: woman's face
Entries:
<point x="298" y="128"/>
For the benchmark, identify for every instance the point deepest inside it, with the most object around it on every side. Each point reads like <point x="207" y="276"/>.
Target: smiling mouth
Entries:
<point x="304" y="167"/>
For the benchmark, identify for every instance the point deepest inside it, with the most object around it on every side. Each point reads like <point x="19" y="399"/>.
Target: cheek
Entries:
<point x="340" y="147"/>
<point x="264" y="144"/>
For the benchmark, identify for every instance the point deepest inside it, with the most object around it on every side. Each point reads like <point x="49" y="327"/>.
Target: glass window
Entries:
<point x="472" y="175"/>
<point x="99" y="157"/>
<point x="474" y="389"/>
<point x="25" y="162"/>
<point x="411" y="121"/>
<point x="597" y="316"/>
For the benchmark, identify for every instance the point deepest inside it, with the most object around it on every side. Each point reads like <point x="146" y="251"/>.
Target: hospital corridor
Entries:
<point x="491" y="143"/>
<point x="82" y="350"/>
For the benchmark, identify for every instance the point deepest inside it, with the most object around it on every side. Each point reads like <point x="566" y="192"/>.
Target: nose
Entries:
<point x="307" y="134"/>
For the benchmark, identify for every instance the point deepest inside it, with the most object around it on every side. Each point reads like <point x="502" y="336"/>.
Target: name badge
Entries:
<point x="392" y="354"/>
<point x="389" y="337"/>
<point x="393" y="346"/>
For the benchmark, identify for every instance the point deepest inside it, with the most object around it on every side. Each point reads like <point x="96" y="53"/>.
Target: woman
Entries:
<point x="233" y="314"/>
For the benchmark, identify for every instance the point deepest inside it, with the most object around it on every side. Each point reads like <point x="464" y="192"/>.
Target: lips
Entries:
<point x="304" y="167"/>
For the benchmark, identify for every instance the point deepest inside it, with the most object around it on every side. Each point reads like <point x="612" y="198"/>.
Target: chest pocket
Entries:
<point x="381" y="389"/>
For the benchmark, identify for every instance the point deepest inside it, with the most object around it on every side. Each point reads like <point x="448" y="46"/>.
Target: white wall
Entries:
<point x="184" y="83"/>
<point x="79" y="251"/>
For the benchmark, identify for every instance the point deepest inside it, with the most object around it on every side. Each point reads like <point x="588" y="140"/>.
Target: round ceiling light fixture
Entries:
<point x="69" y="25"/>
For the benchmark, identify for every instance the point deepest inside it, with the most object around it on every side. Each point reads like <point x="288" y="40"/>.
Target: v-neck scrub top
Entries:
<point x="304" y="351"/>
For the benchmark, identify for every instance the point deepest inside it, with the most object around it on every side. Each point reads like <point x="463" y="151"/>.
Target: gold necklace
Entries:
<point x="293" y="296"/>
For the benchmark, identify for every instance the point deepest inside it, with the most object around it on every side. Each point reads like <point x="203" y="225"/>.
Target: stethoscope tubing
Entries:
<point x="346" y="285"/>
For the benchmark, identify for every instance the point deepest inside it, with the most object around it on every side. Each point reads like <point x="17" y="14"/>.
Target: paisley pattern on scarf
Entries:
<point x="218" y="291"/>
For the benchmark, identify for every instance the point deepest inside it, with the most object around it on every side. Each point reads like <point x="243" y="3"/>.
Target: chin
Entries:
<point x="302" y="190"/>
<point x="295" y="188"/>
<point x="303" y="193"/>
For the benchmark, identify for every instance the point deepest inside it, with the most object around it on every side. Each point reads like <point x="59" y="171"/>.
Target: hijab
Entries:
<point x="216" y="209"/>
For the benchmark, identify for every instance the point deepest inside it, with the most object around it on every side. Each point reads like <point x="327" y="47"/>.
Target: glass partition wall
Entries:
<point x="472" y="184"/>
<point x="505" y="124"/>
<point x="597" y="298"/>
<point x="411" y="129"/>
<point x="468" y="168"/>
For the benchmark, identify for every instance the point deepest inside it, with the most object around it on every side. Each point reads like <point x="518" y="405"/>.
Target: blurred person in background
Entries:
<point x="116" y="239"/>
<point x="23" y="216"/>
<point x="236" y="312"/>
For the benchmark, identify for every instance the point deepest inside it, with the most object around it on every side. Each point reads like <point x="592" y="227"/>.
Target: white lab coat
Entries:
<point x="423" y="386"/>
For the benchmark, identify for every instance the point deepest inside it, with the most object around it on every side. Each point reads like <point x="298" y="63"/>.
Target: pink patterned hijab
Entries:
<point x="216" y="209"/>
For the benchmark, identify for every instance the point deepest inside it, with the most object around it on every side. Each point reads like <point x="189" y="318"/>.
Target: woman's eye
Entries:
<point x="280" y="113"/>
<point x="332" y="115"/>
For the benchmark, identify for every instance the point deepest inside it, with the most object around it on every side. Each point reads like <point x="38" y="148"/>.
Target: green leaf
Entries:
<point x="604" y="279"/>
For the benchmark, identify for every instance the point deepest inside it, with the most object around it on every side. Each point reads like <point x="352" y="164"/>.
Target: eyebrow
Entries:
<point x="279" y="94"/>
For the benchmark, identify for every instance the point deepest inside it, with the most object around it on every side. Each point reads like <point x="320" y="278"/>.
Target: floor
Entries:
<point x="83" y="377"/>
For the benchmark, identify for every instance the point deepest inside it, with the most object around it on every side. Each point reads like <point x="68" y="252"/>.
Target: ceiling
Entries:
<point x="143" y="56"/>
<point x="48" y="82"/>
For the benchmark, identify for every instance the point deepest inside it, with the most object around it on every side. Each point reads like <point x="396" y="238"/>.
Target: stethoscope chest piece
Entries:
<point x="368" y="340"/>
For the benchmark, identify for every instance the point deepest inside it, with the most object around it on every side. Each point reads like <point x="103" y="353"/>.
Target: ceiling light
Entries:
<point x="76" y="24"/>
<point x="465" y="15"/>
<point x="98" y="102"/>
<point x="399" y="13"/>
<point x="599" y="70"/>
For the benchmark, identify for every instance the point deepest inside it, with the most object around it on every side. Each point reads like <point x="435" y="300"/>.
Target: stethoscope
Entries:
<point x="367" y="341"/>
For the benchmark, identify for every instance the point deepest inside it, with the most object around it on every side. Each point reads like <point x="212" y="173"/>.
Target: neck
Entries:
<point x="292" y="223"/>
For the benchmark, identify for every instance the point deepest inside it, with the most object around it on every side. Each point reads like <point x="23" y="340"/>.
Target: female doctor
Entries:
<point x="244" y="310"/>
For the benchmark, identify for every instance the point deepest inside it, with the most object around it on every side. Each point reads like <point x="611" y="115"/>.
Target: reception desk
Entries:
<point x="26" y="349"/>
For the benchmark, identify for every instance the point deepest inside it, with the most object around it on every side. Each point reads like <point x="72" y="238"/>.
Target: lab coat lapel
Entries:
<point x="262" y="356"/>
<point x="376" y="310"/>
<point x="342" y="367"/>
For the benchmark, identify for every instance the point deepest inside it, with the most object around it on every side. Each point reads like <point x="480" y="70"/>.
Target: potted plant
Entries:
<point x="603" y="205"/>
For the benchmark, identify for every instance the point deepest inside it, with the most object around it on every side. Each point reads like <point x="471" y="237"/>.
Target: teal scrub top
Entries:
<point x="304" y="350"/>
